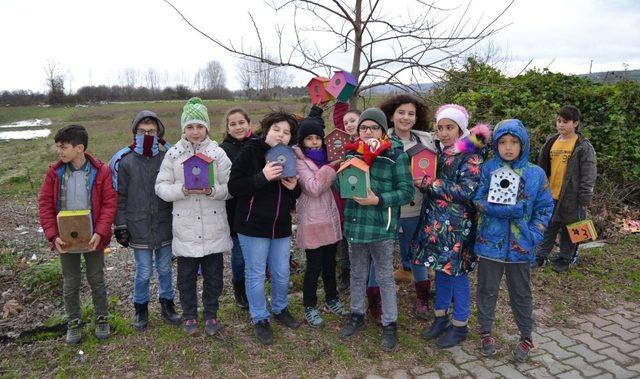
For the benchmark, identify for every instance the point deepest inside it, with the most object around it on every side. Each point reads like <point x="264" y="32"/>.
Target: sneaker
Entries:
<point x="487" y="345"/>
<point x="354" y="324"/>
<point x="285" y="318"/>
<point x="211" y="327"/>
<point x="190" y="327"/>
<point x="389" y="337"/>
<point x="102" y="327"/>
<point x="336" y="307"/>
<point x="522" y="349"/>
<point x="74" y="332"/>
<point x="313" y="317"/>
<point x="263" y="332"/>
<point x="403" y="275"/>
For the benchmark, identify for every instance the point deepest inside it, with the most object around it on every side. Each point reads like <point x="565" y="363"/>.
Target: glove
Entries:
<point x="123" y="237"/>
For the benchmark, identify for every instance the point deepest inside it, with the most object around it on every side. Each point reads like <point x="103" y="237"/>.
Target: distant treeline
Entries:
<point x="102" y="93"/>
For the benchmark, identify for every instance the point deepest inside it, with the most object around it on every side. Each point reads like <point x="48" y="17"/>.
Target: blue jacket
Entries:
<point x="509" y="233"/>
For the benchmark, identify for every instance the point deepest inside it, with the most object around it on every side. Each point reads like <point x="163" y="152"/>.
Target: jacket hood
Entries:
<point x="517" y="129"/>
<point x="143" y="114"/>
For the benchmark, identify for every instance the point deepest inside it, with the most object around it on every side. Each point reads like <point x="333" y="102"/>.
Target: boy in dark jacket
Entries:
<point x="569" y="161"/>
<point x="143" y="220"/>
<point x="78" y="181"/>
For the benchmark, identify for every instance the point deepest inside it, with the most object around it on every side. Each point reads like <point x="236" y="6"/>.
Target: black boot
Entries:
<point x="241" y="295"/>
<point x="141" y="318"/>
<point x="389" y="336"/>
<point x="439" y="326"/>
<point x="168" y="311"/>
<point x="453" y="336"/>
<point x="354" y="324"/>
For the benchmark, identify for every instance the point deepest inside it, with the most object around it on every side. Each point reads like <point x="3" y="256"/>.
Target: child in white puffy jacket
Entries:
<point x="200" y="226"/>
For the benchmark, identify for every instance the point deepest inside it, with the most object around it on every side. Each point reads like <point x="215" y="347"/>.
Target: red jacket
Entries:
<point x="104" y="200"/>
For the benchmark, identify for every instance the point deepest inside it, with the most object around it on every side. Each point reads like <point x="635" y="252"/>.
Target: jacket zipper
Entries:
<point x="273" y="230"/>
<point x="250" y="208"/>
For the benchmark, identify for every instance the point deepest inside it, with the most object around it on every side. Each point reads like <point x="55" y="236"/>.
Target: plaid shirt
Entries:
<point x="391" y="181"/>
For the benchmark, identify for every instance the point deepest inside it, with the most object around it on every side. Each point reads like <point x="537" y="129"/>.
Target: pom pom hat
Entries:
<point x="456" y="113"/>
<point x="194" y="112"/>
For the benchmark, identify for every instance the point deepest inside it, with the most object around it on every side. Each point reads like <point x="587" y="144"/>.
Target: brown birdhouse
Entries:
<point x="335" y="142"/>
<point x="75" y="229"/>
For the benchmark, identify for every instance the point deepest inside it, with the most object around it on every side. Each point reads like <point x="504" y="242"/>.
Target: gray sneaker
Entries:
<point x="487" y="345"/>
<point x="102" y="327"/>
<point x="313" y="317"/>
<point x="336" y="307"/>
<point x="522" y="350"/>
<point x="74" y="332"/>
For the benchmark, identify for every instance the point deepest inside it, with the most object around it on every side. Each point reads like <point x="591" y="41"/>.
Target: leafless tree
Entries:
<point x="258" y="78"/>
<point x="152" y="79"/>
<point x="383" y="49"/>
<point x="54" y="79"/>
<point x="128" y="77"/>
<point x="211" y="77"/>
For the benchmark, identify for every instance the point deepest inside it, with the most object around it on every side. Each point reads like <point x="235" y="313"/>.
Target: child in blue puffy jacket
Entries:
<point x="507" y="235"/>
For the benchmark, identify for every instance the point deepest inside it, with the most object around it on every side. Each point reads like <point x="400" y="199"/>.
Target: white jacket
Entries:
<point x="200" y="225"/>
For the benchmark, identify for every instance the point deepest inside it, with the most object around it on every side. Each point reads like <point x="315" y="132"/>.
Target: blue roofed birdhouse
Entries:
<point x="285" y="156"/>
<point x="198" y="172"/>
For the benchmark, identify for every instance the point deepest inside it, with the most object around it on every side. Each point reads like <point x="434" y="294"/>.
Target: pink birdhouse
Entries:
<point x="342" y="85"/>
<point x="198" y="172"/>
<point x="317" y="90"/>
<point x="423" y="161"/>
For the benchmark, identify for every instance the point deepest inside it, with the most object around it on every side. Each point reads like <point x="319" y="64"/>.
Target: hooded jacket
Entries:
<point x="509" y="233"/>
<point x="199" y="221"/>
<point x="447" y="229"/>
<point x="232" y="147"/>
<point x="145" y="215"/>
<point x="264" y="207"/>
<point x="103" y="200"/>
<point x="579" y="179"/>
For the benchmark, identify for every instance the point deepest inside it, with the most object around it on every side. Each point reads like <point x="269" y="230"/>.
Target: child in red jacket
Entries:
<point x="79" y="181"/>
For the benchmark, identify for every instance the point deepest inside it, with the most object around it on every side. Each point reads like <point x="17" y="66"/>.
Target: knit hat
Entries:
<point x="456" y="113"/>
<point x="312" y="124"/>
<point x="194" y="112"/>
<point x="376" y="115"/>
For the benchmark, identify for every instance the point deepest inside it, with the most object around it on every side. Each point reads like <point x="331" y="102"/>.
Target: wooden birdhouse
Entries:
<point x="424" y="161"/>
<point x="198" y="172"/>
<point x="335" y="142"/>
<point x="75" y="229"/>
<point x="354" y="179"/>
<point x="582" y="231"/>
<point x="318" y="91"/>
<point x="285" y="156"/>
<point x="504" y="186"/>
<point x="342" y="85"/>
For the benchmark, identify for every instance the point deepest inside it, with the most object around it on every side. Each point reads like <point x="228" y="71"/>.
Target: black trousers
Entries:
<point x="320" y="260"/>
<point x="212" y="266"/>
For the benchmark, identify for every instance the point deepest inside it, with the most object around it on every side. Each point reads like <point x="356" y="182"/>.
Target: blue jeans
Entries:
<point x="258" y="252"/>
<point x="144" y="270"/>
<point x="457" y="289"/>
<point x="237" y="262"/>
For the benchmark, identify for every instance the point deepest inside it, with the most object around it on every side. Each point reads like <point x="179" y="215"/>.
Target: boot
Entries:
<point x="439" y="326"/>
<point x="353" y="325"/>
<point x="389" y="337"/>
<point x="375" y="304"/>
<point x="421" y="307"/>
<point x="241" y="295"/>
<point x="168" y="311"/>
<point x="453" y="336"/>
<point x="141" y="318"/>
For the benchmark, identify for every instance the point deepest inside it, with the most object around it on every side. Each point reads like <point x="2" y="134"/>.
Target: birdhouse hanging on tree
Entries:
<point x="198" y="172"/>
<point x="335" y="142"/>
<point x="504" y="186"/>
<point x="285" y="156"/>
<point x="342" y="85"/>
<point x="354" y="179"/>
<point x="318" y="91"/>
<point x="424" y="161"/>
<point x="75" y="229"/>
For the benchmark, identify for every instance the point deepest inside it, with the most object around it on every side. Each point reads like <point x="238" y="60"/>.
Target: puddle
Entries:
<point x="24" y="134"/>
<point x="36" y="122"/>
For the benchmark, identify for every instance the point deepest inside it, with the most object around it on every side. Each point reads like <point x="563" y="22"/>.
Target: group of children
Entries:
<point x="444" y="224"/>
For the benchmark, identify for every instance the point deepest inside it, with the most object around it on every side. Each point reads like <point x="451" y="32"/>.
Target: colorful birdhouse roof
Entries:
<point x="337" y="133"/>
<point x="342" y="85"/>
<point x="417" y="149"/>
<point x="317" y="89"/>
<point x="354" y="162"/>
<point x="200" y="156"/>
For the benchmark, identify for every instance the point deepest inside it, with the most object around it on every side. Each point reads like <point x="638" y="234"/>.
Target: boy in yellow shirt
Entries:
<point x="569" y="161"/>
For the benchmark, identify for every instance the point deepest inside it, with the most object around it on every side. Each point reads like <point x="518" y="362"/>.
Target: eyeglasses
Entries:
<point x="372" y="128"/>
<point x="149" y="132"/>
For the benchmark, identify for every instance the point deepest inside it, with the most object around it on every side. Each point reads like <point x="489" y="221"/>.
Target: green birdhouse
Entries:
<point x="354" y="179"/>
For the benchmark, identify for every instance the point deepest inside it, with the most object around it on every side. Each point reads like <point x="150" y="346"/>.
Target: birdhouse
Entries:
<point x="335" y="142"/>
<point x="285" y="156"/>
<point x="342" y="85"/>
<point x="354" y="179"/>
<point x="504" y="186"/>
<point x="582" y="231"/>
<point x="198" y="172"/>
<point x="424" y="161"/>
<point x="75" y="229"/>
<point x="318" y="91"/>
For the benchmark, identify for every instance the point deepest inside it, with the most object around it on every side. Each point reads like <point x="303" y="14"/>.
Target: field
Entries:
<point x="31" y="338"/>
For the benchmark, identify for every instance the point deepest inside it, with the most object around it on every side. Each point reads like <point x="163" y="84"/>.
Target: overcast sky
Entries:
<point x="94" y="41"/>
